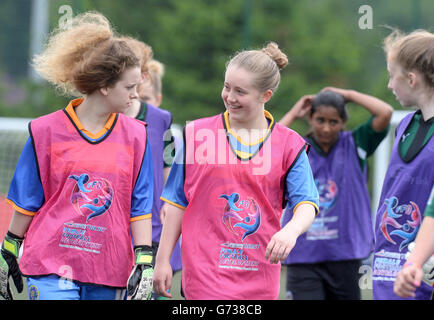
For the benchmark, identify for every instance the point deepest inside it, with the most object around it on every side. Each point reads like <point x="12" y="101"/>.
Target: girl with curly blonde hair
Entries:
<point x="83" y="186"/>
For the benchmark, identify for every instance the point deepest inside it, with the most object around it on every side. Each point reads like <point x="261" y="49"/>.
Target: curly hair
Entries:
<point x="85" y="57"/>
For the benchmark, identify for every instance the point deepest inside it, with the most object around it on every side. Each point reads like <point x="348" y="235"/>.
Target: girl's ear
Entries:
<point x="159" y="99"/>
<point x="309" y="118"/>
<point x="104" y="91"/>
<point x="412" y="79"/>
<point x="267" y="96"/>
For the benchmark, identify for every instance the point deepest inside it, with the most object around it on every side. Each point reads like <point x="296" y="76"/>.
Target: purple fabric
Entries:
<point x="159" y="120"/>
<point x="343" y="228"/>
<point x="405" y="193"/>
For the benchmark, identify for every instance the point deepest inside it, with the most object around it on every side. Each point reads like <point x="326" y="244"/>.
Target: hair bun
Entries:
<point x="273" y="51"/>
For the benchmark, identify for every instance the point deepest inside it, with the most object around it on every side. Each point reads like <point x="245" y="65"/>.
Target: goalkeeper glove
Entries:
<point x="427" y="268"/>
<point x="9" y="265"/>
<point x="141" y="278"/>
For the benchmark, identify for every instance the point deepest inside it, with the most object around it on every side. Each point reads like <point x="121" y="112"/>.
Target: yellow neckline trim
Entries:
<point x="71" y="112"/>
<point x="228" y="128"/>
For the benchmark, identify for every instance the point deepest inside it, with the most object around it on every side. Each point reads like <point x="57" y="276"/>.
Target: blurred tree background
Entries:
<point x="195" y="38"/>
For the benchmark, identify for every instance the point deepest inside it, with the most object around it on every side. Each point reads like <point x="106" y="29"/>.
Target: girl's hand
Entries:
<point x="163" y="279"/>
<point x="408" y="280"/>
<point x="302" y="106"/>
<point x="280" y="245"/>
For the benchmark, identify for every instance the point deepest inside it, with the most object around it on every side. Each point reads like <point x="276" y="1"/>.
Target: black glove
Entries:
<point x="141" y="278"/>
<point x="9" y="265"/>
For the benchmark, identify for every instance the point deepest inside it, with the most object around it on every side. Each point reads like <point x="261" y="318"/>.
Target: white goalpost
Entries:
<point x="13" y="136"/>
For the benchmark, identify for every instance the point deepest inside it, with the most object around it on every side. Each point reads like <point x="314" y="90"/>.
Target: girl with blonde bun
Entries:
<point x="226" y="190"/>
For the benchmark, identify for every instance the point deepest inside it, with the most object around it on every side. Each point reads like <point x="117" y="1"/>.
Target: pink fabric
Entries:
<point x="82" y="230"/>
<point x="234" y="209"/>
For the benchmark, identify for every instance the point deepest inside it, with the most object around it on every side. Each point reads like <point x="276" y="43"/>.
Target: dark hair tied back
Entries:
<point x="332" y="99"/>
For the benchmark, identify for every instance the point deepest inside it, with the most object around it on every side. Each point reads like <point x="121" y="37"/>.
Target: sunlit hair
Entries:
<point x="156" y="73"/>
<point x="265" y="64"/>
<point x="142" y="51"/>
<point x="85" y="57"/>
<point x="413" y="51"/>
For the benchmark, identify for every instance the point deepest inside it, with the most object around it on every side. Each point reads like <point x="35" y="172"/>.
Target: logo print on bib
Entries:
<point x="241" y="217"/>
<point x="91" y="198"/>
<point x="328" y="193"/>
<point x="405" y="219"/>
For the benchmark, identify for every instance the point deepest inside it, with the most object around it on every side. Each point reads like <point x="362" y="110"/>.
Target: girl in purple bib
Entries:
<point x="158" y="121"/>
<point x="325" y="261"/>
<point x="410" y="175"/>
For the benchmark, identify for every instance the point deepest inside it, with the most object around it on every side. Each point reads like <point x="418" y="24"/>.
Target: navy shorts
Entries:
<point x="53" y="287"/>
<point x="332" y="280"/>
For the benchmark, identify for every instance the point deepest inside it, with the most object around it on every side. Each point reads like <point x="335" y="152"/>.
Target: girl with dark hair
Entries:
<point x="324" y="263"/>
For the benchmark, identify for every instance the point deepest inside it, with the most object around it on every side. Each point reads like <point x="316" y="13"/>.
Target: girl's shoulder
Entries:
<point x="207" y="121"/>
<point x="289" y="136"/>
<point x="158" y="112"/>
<point x="132" y="124"/>
<point x="47" y="119"/>
<point x="285" y="130"/>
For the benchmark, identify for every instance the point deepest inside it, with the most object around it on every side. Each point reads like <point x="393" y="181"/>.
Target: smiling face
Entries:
<point x="121" y="95"/>
<point x="326" y="124"/>
<point x="244" y="102"/>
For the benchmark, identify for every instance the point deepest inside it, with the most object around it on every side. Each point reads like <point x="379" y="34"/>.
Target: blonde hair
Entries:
<point x="156" y="73"/>
<point x="265" y="63"/>
<point x="413" y="51"/>
<point x="84" y="57"/>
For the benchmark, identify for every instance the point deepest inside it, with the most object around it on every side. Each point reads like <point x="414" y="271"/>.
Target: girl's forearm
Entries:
<point x="424" y="245"/>
<point x="287" y="119"/>
<point x="170" y="233"/>
<point x="302" y="219"/>
<point x="19" y="224"/>
<point x="381" y="111"/>
<point x="141" y="231"/>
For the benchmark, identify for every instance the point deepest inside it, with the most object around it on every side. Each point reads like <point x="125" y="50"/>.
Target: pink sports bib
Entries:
<point x="82" y="230"/>
<point x="234" y="209"/>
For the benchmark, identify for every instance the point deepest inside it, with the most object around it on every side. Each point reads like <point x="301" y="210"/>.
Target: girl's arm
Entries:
<point x="410" y="277"/>
<point x="19" y="224"/>
<point x="381" y="111"/>
<point x="141" y="231"/>
<point x="284" y="240"/>
<point x="169" y="236"/>
<point x="424" y="244"/>
<point x="298" y="111"/>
